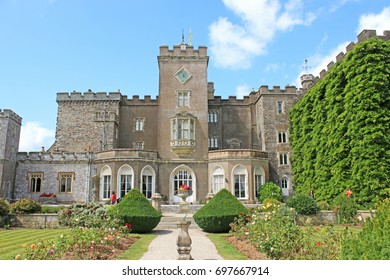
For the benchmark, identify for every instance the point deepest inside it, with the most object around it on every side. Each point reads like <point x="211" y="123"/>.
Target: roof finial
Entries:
<point x="182" y="36"/>
<point x="306" y="67"/>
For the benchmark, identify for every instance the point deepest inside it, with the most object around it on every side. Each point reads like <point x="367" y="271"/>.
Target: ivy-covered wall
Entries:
<point x="340" y="129"/>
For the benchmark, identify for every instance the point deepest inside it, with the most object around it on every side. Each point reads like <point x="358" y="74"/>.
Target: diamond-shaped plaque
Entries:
<point x="183" y="75"/>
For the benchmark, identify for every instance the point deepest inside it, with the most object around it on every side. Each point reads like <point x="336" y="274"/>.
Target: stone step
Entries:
<point x="169" y="222"/>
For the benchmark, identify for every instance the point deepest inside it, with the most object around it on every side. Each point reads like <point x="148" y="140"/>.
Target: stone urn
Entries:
<point x="184" y="206"/>
<point x="184" y="241"/>
<point x="183" y="194"/>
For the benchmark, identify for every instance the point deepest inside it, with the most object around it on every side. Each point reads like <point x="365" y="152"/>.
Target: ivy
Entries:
<point x="340" y="129"/>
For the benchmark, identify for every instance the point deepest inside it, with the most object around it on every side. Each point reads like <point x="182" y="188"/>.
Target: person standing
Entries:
<point x="113" y="198"/>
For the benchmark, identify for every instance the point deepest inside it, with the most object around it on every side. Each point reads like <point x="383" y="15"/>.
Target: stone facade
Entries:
<point x="108" y="142"/>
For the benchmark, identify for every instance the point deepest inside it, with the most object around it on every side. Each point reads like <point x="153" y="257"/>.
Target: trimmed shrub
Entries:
<point x="51" y="209"/>
<point x="323" y="205"/>
<point x="4" y="207"/>
<point x="270" y="190"/>
<point x="25" y="205"/>
<point x="90" y="215"/>
<point x="373" y="242"/>
<point x="135" y="210"/>
<point x="217" y="215"/>
<point x="303" y="204"/>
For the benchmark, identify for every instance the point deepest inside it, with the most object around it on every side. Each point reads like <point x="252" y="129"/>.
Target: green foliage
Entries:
<point x="345" y="209"/>
<point x="373" y="242"/>
<point x="25" y="205"/>
<point x="303" y="204"/>
<point x="276" y="234"/>
<point x="323" y="205"/>
<point x="217" y="215"/>
<point x="51" y="209"/>
<point x="270" y="190"/>
<point x="4" y="207"/>
<point x="137" y="211"/>
<point x="89" y="215"/>
<point x="339" y="128"/>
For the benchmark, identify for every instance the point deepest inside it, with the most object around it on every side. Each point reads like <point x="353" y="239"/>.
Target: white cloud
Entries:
<point x="317" y="62"/>
<point x="235" y="45"/>
<point x="242" y="90"/>
<point x="378" y="22"/>
<point x="33" y="137"/>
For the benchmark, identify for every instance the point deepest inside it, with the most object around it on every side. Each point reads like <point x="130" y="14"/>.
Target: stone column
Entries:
<point x="184" y="241"/>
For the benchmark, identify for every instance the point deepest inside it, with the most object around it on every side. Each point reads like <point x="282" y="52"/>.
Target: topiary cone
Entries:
<point x="136" y="210"/>
<point x="217" y="215"/>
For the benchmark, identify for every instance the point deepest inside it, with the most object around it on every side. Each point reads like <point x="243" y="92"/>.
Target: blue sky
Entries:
<point x="50" y="46"/>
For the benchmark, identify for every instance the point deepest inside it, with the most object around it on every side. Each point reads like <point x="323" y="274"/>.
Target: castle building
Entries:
<point x="108" y="142"/>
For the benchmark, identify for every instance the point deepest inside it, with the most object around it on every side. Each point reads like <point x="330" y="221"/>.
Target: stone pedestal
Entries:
<point x="156" y="201"/>
<point x="184" y="241"/>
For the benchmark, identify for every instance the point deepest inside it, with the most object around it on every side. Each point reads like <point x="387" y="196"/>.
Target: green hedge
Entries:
<point x="217" y="215"/>
<point x="4" y="207"/>
<point x="25" y="205"/>
<point x="270" y="190"/>
<point x="137" y="211"/>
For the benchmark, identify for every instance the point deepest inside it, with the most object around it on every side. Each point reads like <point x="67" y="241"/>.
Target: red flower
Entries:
<point x="184" y="187"/>
<point x="317" y="228"/>
<point x="318" y="243"/>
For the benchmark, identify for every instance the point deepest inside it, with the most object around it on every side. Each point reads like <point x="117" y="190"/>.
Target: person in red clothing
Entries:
<point x="113" y="198"/>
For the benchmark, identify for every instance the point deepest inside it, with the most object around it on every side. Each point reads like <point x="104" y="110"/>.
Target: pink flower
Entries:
<point x="318" y="243"/>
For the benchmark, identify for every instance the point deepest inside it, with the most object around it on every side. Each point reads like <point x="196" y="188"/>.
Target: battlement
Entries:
<point x="147" y="100"/>
<point x="363" y="36"/>
<point x="183" y="50"/>
<point x="54" y="156"/>
<point x="88" y="96"/>
<point x="6" y="113"/>
<point x="277" y="90"/>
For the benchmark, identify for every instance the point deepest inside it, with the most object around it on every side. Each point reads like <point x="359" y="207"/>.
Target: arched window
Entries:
<point x="284" y="185"/>
<point x="105" y="182"/>
<point x="181" y="177"/>
<point x="125" y="180"/>
<point x="240" y="181"/>
<point x="259" y="179"/>
<point x="148" y="181"/>
<point x="218" y="179"/>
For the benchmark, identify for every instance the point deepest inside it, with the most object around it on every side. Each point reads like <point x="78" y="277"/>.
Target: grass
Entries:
<point x="12" y="240"/>
<point x="224" y="248"/>
<point x="139" y="248"/>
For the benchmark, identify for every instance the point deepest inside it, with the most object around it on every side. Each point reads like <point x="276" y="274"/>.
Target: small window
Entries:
<point x="213" y="117"/>
<point x="284" y="183"/>
<point x="213" y="142"/>
<point x="283" y="159"/>
<point x="35" y="182"/>
<point x="66" y="182"/>
<point x="183" y="99"/>
<point x="282" y="137"/>
<point x="138" y="145"/>
<point x="139" y="124"/>
<point x="280" y="107"/>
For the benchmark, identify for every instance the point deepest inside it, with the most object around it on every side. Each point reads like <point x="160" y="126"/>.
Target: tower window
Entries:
<point x="282" y="137"/>
<point x="183" y="99"/>
<point x="139" y="124"/>
<point x="213" y="117"/>
<point x="283" y="159"/>
<point x="280" y="107"/>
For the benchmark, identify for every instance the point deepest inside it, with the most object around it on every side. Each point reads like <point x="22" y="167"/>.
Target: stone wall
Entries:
<point x="51" y="164"/>
<point x="35" y="220"/>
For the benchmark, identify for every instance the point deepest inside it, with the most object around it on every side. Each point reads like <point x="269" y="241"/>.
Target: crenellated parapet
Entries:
<point x="363" y="36"/>
<point x="136" y="100"/>
<point x="9" y="114"/>
<point x="54" y="156"/>
<point x="183" y="50"/>
<point x="89" y="96"/>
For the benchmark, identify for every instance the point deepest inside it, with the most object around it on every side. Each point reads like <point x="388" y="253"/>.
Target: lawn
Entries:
<point x="12" y="240"/>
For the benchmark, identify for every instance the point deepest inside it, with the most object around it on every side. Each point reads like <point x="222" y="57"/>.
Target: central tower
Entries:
<point x="183" y="105"/>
